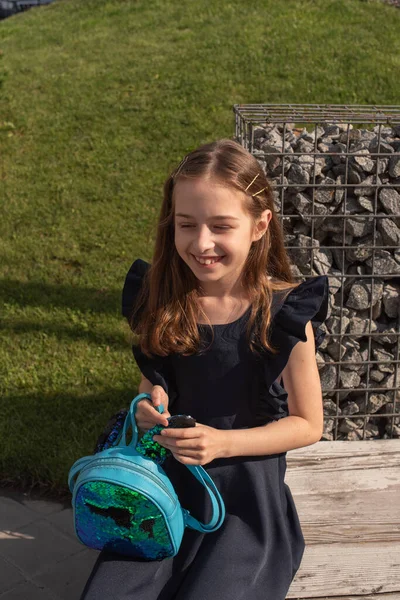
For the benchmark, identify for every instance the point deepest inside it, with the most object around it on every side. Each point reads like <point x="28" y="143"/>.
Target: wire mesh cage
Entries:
<point x="335" y="172"/>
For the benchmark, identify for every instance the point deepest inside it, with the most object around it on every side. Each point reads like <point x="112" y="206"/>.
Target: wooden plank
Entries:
<point x="321" y="483"/>
<point x="355" y="516"/>
<point x="390" y="596"/>
<point x="347" y="569"/>
<point x="351" y="465"/>
<point x="368" y="454"/>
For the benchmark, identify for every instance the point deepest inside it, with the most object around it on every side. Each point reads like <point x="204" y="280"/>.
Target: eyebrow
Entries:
<point x="216" y="217"/>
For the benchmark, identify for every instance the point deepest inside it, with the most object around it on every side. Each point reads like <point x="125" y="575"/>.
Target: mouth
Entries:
<point x="215" y="261"/>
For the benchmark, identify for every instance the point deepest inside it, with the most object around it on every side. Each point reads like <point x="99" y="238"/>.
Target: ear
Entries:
<point x="262" y="225"/>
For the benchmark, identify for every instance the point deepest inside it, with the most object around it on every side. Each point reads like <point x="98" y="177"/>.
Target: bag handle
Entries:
<point x="130" y="421"/>
<point x="197" y="470"/>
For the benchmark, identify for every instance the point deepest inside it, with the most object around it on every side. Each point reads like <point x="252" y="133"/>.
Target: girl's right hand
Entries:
<point x="146" y="415"/>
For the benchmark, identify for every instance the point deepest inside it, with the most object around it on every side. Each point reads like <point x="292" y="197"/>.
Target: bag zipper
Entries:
<point x="111" y="462"/>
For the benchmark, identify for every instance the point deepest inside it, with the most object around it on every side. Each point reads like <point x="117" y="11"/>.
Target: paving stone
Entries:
<point x="38" y="547"/>
<point x="29" y="591"/>
<point x="63" y="520"/>
<point x="43" y="507"/>
<point x="67" y="579"/>
<point x="14" y="514"/>
<point x="9" y="576"/>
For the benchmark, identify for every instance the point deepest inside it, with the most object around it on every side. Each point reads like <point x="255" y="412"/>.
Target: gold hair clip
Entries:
<point x="259" y="192"/>
<point x="179" y="167"/>
<point x="250" y="184"/>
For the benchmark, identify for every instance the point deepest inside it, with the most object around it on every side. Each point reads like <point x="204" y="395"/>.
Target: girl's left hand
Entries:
<point x="197" y="445"/>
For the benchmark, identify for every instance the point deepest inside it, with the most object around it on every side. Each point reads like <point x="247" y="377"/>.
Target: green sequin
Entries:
<point x="122" y="520"/>
<point x="152" y="449"/>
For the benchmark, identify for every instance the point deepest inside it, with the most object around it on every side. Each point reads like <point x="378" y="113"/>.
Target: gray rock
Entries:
<point x="335" y="281"/>
<point x="385" y="359"/>
<point x="337" y="238"/>
<point x="390" y="200"/>
<point x="353" y="135"/>
<point x="388" y="335"/>
<point x="310" y="136"/>
<point x="304" y="146"/>
<point x="322" y="260"/>
<point x="384" y="265"/>
<point x="337" y="152"/>
<point x="359" y="326"/>
<point x="350" y="408"/>
<point x="389" y="231"/>
<point x="332" y="130"/>
<point x="382" y="148"/>
<point x="363" y="160"/>
<point x="349" y="379"/>
<point x="391" y="300"/>
<point x="353" y="176"/>
<point x="349" y="425"/>
<point x="350" y="206"/>
<point x="301" y="253"/>
<point x="360" y="294"/>
<point x="337" y="325"/>
<point x="367" y="187"/>
<point x="353" y="356"/>
<point x="297" y="175"/>
<point x="305" y="207"/>
<point x="328" y="377"/>
<point x="376" y="375"/>
<point x="365" y="203"/>
<point x="394" y="166"/>
<point x="361" y="250"/>
<point x="360" y="226"/>
<point x="336" y="350"/>
<point x="330" y="408"/>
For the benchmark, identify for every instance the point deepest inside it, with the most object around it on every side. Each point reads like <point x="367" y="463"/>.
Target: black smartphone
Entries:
<point x="181" y="421"/>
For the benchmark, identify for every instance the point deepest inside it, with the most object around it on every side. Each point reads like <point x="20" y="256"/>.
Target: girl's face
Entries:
<point x="200" y="231"/>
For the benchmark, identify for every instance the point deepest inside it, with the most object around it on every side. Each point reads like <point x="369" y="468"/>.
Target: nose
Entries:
<point x="204" y="240"/>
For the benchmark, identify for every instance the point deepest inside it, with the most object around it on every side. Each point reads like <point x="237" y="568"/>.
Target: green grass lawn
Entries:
<point x="99" y="100"/>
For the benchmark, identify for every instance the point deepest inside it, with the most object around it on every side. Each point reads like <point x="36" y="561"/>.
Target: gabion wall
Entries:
<point x="336" y="177"/>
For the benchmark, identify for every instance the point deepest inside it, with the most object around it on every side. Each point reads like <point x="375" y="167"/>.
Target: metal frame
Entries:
<point x="248" y="117"/>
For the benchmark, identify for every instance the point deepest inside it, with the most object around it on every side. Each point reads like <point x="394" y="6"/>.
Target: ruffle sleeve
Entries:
<point x="309" y="301"/>
<point x="157" y="370"/>
<point x="132" y="286"/>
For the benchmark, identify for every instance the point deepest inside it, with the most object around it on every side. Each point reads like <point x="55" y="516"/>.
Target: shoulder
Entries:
<point x="294" y="308"/>
<point x="132" y="285"/>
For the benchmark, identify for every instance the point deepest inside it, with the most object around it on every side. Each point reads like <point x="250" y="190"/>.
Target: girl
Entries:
<point x="219" y="318"/>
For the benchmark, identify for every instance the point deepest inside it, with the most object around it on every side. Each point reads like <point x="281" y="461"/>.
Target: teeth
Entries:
<point x="203" y="261"/>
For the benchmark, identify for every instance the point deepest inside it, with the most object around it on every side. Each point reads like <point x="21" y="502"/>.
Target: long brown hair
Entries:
<point x="168" y="302"/>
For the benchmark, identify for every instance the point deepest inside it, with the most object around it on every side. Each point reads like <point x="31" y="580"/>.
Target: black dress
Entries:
<point x="258" y="549"/>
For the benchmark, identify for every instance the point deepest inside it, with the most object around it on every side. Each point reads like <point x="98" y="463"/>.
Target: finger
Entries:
<point x="182" y="433"/>
<point x="187" y="454"/>
<point x="180" y="445"/>
<point x="158" y="396"/>
<point x="187" y="461"/>
<point x="151" y="415"/>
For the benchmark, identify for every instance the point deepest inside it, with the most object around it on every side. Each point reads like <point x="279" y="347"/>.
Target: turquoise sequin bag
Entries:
<point x="124" y="502"/>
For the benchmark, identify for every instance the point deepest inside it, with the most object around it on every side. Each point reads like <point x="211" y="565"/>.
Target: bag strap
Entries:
<point x="217" y="502"/>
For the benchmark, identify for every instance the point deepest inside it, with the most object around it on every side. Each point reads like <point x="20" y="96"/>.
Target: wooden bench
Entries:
<point x="348" y="500"/>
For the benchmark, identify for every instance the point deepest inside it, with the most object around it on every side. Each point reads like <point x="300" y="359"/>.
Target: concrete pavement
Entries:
<point x="40" y="556"/>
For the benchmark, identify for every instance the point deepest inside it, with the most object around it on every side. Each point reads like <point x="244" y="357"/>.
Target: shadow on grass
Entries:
<point x="60" y="296"/>
<point x="44" y="434"/>
<point x="72" y="332"/>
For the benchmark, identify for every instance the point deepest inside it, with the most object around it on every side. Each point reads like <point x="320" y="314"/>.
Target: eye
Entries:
<point x="216" y="226"/>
